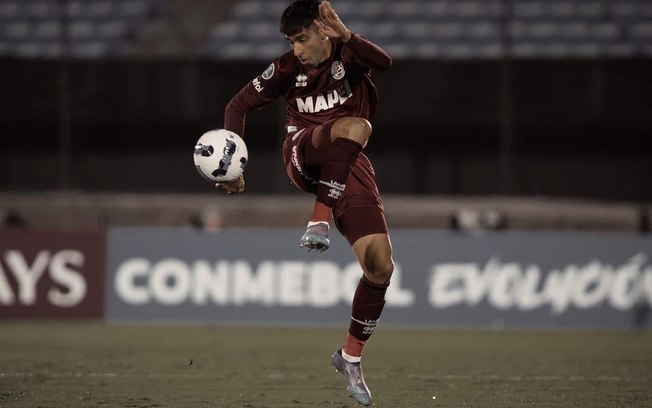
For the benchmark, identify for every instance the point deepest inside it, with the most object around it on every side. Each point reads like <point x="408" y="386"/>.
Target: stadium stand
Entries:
<point x="453" y="29"/>
<point x="421" y="29"/>
<point x="181" y="26"/>
<point x="94" y="28"/>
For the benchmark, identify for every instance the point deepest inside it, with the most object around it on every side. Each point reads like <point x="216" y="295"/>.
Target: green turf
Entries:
<point x="95" y="365"/>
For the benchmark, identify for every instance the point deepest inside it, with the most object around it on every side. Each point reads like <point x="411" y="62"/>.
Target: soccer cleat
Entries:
<point x="353" y="374"/>
<point x="316" y="237"/>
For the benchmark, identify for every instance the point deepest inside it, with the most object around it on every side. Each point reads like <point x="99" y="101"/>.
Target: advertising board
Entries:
<point x="442" y="278"/>
<point x="52" y="274"/>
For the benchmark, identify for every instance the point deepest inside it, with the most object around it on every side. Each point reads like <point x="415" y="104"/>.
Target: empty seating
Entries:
<point x="407" y="29"/>
<point x="90" y="28"/>
<point x="457" y="29"/>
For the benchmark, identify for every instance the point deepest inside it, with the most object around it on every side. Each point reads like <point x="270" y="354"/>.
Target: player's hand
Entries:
<point x="236" y="185"/>
<point x="330" y="24"/>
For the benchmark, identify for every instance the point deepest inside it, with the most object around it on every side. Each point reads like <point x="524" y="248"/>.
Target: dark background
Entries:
<point x="573" y="127"/>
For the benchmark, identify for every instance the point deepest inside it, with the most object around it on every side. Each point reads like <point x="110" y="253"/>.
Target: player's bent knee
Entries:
<point x="380" y="272"/>
<point x="353" y="128"/>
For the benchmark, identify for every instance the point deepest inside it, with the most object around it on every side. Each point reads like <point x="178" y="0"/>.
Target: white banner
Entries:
<point x="512" y="279"/>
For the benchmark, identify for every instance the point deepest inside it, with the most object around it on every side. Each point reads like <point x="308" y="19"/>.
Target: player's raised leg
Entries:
<point x="340" y="150"/>
<point x="374" y="252"/>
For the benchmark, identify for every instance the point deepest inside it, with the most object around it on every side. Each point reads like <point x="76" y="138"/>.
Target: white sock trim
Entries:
<point x="351" y="359"/>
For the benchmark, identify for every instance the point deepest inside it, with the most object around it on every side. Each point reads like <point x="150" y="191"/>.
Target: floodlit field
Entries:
<point x="95" y="365"/>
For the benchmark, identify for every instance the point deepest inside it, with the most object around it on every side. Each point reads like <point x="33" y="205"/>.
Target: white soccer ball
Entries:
<point x="220" y="155"/>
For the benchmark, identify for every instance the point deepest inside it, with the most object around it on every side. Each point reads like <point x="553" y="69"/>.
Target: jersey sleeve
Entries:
<point x="256" y="94"/>
<point x="368" y="53"/>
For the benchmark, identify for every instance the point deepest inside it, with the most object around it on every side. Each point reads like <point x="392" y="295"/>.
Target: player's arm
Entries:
<point x="245" y="101"/>
<point x="258" y="93"/>
<point x="367" y="52"/>
<point x="235" y="115"/>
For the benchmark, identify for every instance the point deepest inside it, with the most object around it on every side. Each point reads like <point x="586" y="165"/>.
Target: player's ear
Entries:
<point x="317" y="27"/>
<point x="320" y="33"/>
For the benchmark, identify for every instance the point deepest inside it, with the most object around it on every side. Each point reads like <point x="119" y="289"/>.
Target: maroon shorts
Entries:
<point x="359" y="210"/>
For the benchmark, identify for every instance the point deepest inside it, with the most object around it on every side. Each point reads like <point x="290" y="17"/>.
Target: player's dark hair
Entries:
<point x="299" y="15"/>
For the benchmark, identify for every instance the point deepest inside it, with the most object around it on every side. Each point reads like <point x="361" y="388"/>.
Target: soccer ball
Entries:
<point x="220" y="155"/>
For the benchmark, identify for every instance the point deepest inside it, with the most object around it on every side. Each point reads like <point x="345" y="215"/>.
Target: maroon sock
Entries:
<point x="368" y="303"/>
<point x="335" y="170"/>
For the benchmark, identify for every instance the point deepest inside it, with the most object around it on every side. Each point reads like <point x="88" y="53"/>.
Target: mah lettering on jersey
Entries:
<point x="322" y="102"/>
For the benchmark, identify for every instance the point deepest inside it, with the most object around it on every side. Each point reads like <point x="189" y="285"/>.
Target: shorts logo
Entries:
<point x="335" y="190"/>
<point x="337" y="70"/>
<point x="302" y="81"/>
<point x="269" y="71"/>
<point x="334" y="193"/>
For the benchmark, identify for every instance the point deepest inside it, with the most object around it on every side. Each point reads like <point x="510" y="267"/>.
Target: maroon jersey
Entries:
<point x="338" y="87"/>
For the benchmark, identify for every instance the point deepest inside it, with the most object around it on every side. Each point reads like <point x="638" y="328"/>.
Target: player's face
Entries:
<point x="309" y="47"/>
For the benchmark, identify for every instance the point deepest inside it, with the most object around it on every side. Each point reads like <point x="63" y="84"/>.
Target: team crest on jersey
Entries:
<point x="269" y="71"/>
<point x="337" y="70"/>
<point x="302" y="81"/>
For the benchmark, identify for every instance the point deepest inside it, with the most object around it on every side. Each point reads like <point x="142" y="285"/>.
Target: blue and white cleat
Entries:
<point x="353" y="374"/>
<point x="316" y="237"/>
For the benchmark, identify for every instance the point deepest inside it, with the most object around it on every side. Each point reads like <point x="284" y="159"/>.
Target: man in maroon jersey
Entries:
<point x="326" y="82"/>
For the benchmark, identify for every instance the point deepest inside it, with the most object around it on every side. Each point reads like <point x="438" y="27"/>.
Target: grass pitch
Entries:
<point x="96" y="365"/>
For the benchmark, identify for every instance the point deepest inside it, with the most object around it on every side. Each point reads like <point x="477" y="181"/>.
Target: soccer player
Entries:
<point x="326" y="82"/>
